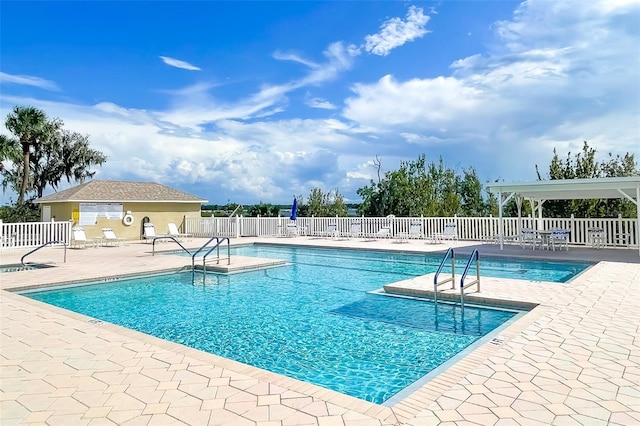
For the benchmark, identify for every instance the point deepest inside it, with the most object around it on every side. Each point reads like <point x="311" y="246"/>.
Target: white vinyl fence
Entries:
<point x="617" y="230"/>
<point x="33" y="234"/>
<point x="468" y="228"/>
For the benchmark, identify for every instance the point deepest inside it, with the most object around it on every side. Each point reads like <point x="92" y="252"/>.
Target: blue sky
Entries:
<point x="258" y="101"/>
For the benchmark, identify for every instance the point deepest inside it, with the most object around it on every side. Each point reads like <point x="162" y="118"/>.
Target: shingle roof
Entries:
<point x="119" y="191"/>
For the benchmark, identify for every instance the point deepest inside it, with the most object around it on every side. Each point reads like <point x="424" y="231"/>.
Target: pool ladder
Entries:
<point x="452" y="279"/>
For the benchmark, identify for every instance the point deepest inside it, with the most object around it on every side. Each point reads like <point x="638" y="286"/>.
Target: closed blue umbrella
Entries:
<point x="294" y="210"/>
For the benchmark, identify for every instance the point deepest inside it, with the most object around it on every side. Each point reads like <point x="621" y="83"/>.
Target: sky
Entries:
<point x="248" y="102"/>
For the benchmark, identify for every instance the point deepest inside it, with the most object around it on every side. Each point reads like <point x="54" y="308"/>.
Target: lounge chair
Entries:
<point x="174" y="232"/>
<point x="291" y="230"/>
<point x="149" y="232"/>
<point x="110" y="238"/>
<point x="383" y="232"/>
<point x="79" y="238"/>
<point x="330" y="232"/>
<point x="355" y="230"/>
<point x="450" y="232"/>
<point x="415" y="232"/>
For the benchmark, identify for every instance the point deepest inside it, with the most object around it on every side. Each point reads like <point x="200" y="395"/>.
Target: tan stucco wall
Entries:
<point x="160" y="214"/>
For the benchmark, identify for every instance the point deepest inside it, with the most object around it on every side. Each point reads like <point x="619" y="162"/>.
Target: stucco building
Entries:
<point x="123" y="206"/>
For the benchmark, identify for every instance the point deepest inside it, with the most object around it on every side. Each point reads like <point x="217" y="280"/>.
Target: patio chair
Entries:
<point x="110" y="238"/>
<point x="597" y="237"/>
<point x="528" y="236"/>
<point x="175" y="232"/>
<point x="149" y="232"/>
<point x="79" y="238"/>
<point x="560" y="238"/>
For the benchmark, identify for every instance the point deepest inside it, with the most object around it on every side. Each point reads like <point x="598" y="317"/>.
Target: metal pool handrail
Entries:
<point x="476" y="255"/>
<point x="220" y="241"/>
<point x="166" y="237"/>
<point x="451" y="279"/>
<point x="43" y="245"/>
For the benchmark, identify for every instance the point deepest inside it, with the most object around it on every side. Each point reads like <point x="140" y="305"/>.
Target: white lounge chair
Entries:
<point x="383" y="232"/>
<point x="149" y="232"/>
<point x="415" y="232"/>
<point x="174" y="232"/>
<point x="291" y="230"/>
<point x="110" y="238"/>
<point x="79" y="238"/>
<point x="355" y="230"/>
<point x="450" y="232"/>
<point x="330" y="232"/>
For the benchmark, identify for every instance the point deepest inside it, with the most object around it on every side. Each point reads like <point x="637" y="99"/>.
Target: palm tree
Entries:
<point x="31" y="126"/>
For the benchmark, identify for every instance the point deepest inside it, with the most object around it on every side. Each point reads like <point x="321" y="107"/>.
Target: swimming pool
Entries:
<point x="413" y="264"/>
<point x="313" y="319"/>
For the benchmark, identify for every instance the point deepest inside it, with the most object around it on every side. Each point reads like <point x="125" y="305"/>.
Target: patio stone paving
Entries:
<point x="573" y="359"/>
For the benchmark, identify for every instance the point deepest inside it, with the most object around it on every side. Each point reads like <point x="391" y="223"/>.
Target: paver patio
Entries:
<point x="574" y="359"/>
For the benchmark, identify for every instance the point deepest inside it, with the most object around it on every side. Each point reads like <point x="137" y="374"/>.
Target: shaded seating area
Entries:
<point x="539" y="192"/>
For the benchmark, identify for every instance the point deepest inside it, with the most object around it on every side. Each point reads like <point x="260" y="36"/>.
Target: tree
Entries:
<point x="30" y="126"/>
<point x="584" y="166"/>
<point x="67" y="155"/>
<point x="264" y="210"/>
<point x="43" y="153"/>
<point x="419" y="189"/>
<point x="323" y="204"/>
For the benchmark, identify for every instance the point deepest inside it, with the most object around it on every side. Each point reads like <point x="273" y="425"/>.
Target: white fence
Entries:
<point x="616" y="230"/>
<point x="33" y="234"/>
<point x="468" y="228"/>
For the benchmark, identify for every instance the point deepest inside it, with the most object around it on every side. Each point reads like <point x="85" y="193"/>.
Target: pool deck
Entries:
<point x="572" y="360"/>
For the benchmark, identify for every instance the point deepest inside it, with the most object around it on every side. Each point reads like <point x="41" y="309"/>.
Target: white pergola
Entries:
<point x="566" y="189"/>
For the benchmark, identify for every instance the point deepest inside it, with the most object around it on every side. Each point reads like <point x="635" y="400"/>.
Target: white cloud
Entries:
<point x="559" y="75"/>
<point x="320" y="103"/>
<point x="179" y="64"/>
<point x="395" y="32"/>
<point x="28" y="80"/>
<point x="555" y="76"/>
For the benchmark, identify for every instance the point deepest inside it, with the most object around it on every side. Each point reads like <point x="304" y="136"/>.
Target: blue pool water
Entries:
<point x="313" y="320"/>
<point x="413" y="264"/>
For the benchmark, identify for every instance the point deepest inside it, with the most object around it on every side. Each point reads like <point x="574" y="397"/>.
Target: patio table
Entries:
<point x="545" y="238"/>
